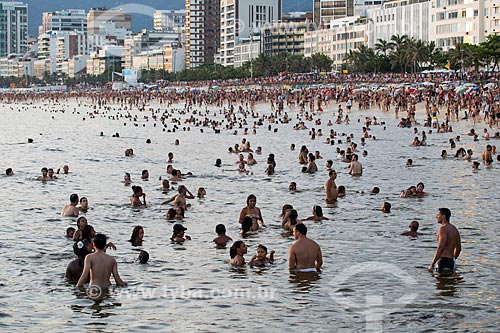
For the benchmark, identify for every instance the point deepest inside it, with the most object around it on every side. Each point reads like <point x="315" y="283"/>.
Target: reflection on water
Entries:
<point x="194" y="287"/>
<point x="448" y="285"/>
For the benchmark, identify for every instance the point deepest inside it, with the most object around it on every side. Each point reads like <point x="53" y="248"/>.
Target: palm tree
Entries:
<point x="460" y="55"/>
<point x="398" y="54"/>
<point x="383" y="46"/>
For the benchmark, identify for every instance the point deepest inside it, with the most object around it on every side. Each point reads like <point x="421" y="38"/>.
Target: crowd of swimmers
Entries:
<point x="305" y="254"/>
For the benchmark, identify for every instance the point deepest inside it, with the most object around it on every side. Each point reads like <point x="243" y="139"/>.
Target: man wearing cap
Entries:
<point x="178" y="234"/>
<point x="305" y="254"/>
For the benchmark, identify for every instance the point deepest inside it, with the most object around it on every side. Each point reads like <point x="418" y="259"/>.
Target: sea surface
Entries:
<point x="373" y="279"/>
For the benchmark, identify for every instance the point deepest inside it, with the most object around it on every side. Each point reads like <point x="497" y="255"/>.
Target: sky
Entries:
<point x="140" y="9"/>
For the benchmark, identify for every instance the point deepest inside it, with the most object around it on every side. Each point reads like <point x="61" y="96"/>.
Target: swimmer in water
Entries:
<point x="84" y="205"/>
<point x="413" y="230"/>
<point x="135" y="198"/>
<point x="221" y="240"/>
<point x="261" y="259"/>
<point x="70" y="209"/>
<point x="100" y="266"/>
<point x="305" y="254"/>
<point x="44" y="175"/>
<point x="236" y="252"/>
<point x="178" y="235"/>
<point x="317" y="214"/>
<point x="449" y="243"/>
<point x="252" y="211"/>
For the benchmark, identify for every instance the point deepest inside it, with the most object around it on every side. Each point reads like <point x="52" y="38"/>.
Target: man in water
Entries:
<point x="70" y="209"/>
<point x="305" y="254"/>
<point x="331" y="187"/>
<point x="44" y="175"/>
<point x="100" y="266"/>
<point x="449" y="244"/>
<point x="413" y="230"/>
<point x="355" y="168"/>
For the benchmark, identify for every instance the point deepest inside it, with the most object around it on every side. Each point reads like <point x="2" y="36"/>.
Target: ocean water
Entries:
<point x="372" y="279"/>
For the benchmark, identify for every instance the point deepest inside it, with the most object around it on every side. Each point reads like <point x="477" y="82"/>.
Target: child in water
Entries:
<point x="261" y="259"/>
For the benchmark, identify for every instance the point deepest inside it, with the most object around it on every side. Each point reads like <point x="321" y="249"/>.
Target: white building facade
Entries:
<point x="400" y="17"/>
<point x="64" y="20"/>
<point x="459" y="21"/>
<point x="241" y="19"/>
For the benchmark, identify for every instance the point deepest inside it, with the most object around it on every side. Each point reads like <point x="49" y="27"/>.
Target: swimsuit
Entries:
<point x="307" y="270"/>
<point x="446" y="265"/>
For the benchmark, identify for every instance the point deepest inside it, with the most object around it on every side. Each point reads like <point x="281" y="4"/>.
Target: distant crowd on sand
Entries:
<point x="335" y="106"/>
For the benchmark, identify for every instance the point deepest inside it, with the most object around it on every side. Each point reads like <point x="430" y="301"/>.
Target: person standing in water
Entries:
<point x="449" y="244"/>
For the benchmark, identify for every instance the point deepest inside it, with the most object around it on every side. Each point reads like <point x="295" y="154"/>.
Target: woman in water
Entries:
<point x="135" y="198"/>
<point x="317" y="214"/>
<point x="236" y="252"/>
<point x="137" y="235"/>
<point x="253" y="212"/>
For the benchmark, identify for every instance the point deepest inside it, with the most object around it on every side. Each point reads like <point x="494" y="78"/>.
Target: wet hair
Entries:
<point x="83" y="198"/>
<point x="182" y="210"/>
<point x="136" y="189"/>
<point x="80" y="250"/>
<point x="246" y="224"/>
<point x="220" y="229"/>
<point x="135" y="234"/>
<point x="421" y="184"/>
<point x="171" y="213"/>
<point x="293" y="217"/>
<point x="446" y="212"/>
<point x="250" y="197"/>
<point x="387" y="207"/>
<point x="409" y="161"/>
<point x="260" y="246"/>
<point x="218" y="162"/>
<point x="145" y="172"/>
<point x="415" y="227"/>
<point x="341" y="189"/>
<point x="318" y="210"/>
<point x="284" y="208"/>
<point x="233" y="250"/>
<point x="100" y="241"/>
<point x="73" y="198"/>
<point x="81" y="218"/>
<point x="69" y="230"/>
<point x="143" y="257"/>
<point x="301" y="228"/>
<point x="87" y="231"/>
<point x="127" y="174"/>
<point x="8" y="171"/>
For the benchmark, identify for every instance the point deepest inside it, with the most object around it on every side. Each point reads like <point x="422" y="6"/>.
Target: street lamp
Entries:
<point x="345" y="39"/>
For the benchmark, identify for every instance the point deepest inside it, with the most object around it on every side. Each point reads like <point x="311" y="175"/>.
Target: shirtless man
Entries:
<point x="449" y="244"/>
<point x="331" y="187"/>
<point x="413" y="232"/>
<point x="180" y="199"/>
<point x="355" y="168"/>
<point x="305" y="254"/>
<point x="70" y="209"/>
<point x="100" y="266"/>
<point x="44" y="175"/>
<point x="487" y="154"/>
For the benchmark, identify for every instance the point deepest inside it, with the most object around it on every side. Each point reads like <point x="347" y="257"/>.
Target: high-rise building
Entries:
<point x="242" y="18"/>
<point x="326" y="10"/>
<point x="398" y="17"/>
<point x="453" y="22"/>
<point x="13" y="28"/>
<point x="167" y="20"/>
<point x="101" y="16"/>
<point x="64" y="20"/>
<point x="202" y="31"/>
